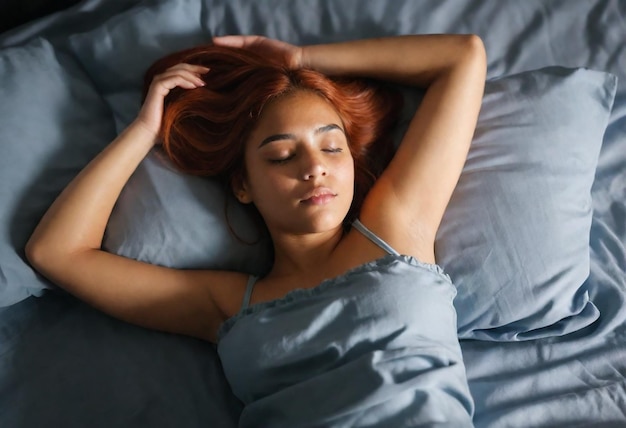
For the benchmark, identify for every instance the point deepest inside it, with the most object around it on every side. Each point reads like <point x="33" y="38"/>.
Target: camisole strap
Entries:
<point x="246" y="298"/>
<point x="374" y="238"/>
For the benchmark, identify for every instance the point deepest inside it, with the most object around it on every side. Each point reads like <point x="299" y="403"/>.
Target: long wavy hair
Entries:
<point x="204" y="130"/>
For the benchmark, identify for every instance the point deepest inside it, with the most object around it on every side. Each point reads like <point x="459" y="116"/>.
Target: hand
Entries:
<point x="281" y="52"/>
<point x="183" y="75"/>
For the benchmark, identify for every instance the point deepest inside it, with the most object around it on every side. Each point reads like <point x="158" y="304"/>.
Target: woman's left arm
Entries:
<point x="407" y="203"/>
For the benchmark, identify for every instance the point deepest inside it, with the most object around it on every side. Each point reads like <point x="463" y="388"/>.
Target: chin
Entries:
<point x="317" y="224"/>
<point x="326" y="225"/>
<point x="298" y="221"/>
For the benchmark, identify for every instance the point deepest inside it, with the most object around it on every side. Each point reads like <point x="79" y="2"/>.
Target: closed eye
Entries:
<point x="281" y="160"/>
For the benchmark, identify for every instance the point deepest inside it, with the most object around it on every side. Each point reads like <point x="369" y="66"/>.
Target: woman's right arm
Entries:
<point x="66" y="245"/>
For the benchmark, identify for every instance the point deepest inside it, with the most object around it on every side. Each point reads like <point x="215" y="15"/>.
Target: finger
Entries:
<point x="235" y="41"/>
<point x="186" y="74"/>
<point x="194" y="68"/>
<point x="163" y="87"/>
<point x="183" y="82"/>
<point x="193" y="72"/>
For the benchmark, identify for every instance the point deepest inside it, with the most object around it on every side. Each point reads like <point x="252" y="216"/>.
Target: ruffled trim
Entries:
<point x="301" y="293"/>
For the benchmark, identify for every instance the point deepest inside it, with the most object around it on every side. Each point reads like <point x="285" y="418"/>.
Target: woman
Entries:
<point x="351" y="326"/>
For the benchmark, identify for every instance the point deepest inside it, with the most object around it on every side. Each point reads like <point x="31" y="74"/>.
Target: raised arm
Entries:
<point x="406" y="205"/>
<point x="408" y="201"/>
<point x="65" y="246"/>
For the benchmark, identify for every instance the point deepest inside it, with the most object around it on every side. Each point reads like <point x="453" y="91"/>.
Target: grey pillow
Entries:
<point x="515" y="235"/>
<point x="52" y="123"/>
<point x="176" y="220"/>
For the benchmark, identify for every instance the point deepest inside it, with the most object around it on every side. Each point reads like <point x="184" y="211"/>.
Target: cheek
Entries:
<point x="347" y="173"/>
<point x="264" y="184"/>
<point x="271" y="186"/>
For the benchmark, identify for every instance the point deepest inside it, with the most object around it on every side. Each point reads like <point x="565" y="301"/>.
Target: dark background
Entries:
<point x="14" y="13"/>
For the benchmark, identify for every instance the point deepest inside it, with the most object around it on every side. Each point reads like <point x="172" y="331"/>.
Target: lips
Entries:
<point x="318" y="196"/>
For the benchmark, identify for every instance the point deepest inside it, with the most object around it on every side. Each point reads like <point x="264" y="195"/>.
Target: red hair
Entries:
<point x="204" y="130"/>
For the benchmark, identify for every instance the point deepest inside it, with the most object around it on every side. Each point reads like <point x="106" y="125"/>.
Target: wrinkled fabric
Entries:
<point x="374" y="347"/>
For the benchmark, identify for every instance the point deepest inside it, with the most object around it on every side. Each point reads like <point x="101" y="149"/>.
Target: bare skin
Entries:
<point x="301" y="183"/>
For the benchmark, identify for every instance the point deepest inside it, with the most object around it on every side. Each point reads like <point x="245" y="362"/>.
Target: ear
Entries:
<point x="240" y="189"/>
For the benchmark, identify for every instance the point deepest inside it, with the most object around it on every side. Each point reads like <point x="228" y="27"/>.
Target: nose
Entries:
<point x="312" y="165"/>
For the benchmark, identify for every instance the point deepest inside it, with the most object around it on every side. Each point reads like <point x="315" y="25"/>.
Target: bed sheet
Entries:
<point x="62" y="361"/>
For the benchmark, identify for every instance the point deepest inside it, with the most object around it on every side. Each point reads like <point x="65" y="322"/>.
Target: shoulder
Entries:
<point x="356" y="248"/>
<point x="404" y="230"/>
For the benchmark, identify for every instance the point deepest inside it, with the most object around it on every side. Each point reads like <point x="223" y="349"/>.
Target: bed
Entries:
<point x="534" y="237"/>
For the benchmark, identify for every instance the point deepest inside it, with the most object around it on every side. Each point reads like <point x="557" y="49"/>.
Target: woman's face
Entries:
<point x="300" y="173"/>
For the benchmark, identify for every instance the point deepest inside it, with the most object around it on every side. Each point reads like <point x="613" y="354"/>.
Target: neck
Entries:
<point x="296" y="255"/>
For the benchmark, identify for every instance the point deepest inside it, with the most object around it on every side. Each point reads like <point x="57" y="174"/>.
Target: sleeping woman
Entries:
<point x="353" y="325"/>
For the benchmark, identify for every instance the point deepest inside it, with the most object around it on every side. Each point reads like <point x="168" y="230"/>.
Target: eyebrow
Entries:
<point x="321" y="129"/>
